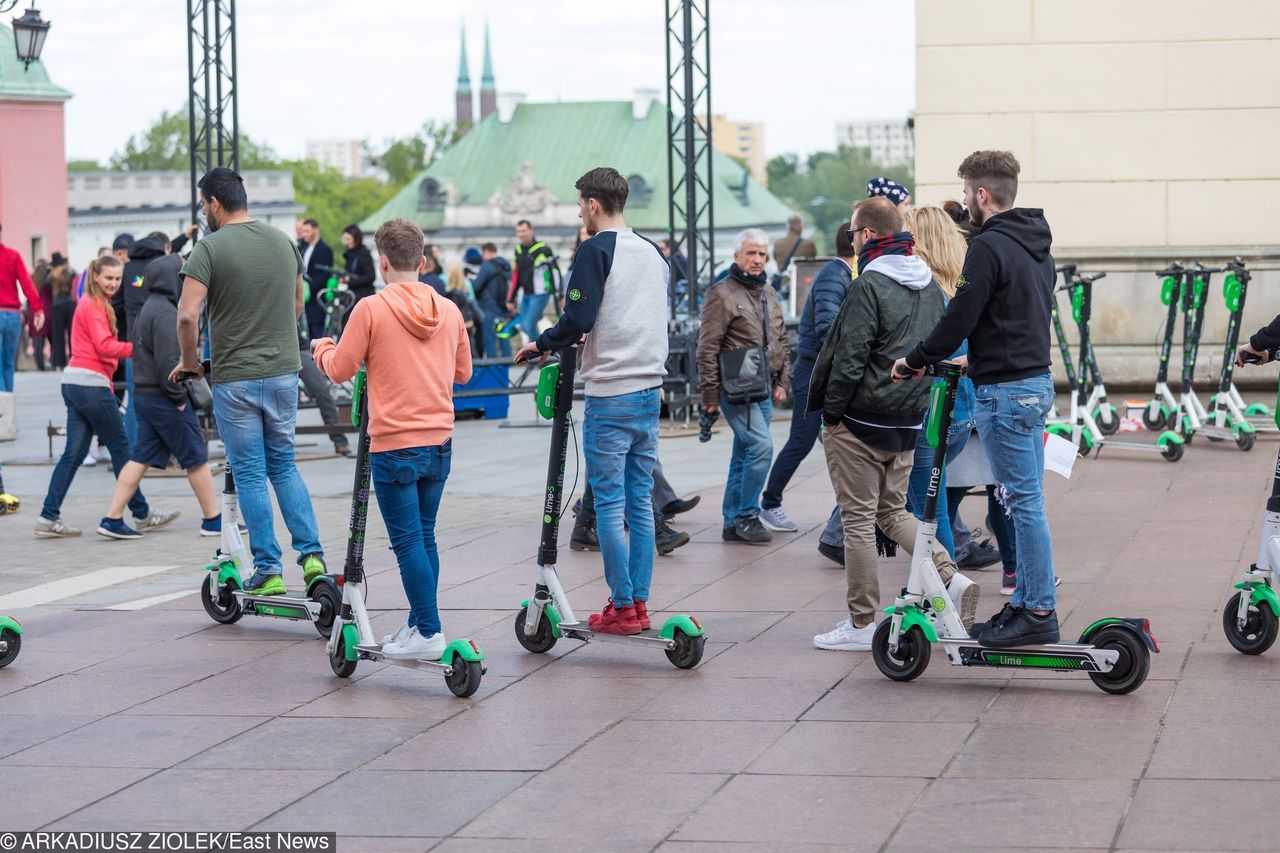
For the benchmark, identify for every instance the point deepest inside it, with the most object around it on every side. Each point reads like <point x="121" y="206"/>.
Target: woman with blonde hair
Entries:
<point x="939" y="243"/>
<point x="91" y="401"/>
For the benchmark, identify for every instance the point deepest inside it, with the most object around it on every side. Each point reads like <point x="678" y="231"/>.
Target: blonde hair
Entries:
<point x="94" y="291"/>
<point x="939" y="244"/>
<point x="457" y="281"/>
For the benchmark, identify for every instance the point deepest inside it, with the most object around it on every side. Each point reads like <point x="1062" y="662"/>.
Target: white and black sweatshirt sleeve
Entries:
<point x="591" y="267"/>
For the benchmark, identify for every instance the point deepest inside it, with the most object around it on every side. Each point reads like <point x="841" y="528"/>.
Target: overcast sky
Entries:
<point x="378" y="69"/>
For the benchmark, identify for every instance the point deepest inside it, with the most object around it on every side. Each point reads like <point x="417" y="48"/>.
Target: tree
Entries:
<point x="166" y="146"/>
<point x="333" y="200"/>
<point x="405" y="158"/>
<point x="84" y="166"/>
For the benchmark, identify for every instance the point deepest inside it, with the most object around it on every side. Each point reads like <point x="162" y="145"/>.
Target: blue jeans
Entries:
<point x="1010" y="418"/>
<point x="130" y="413"/>
<point x="409" y="484"/>
<point x="493" y="345"/>
<point x="805" y="427"/>
<point x="256" y="420"/>
<point x="10" y="331"/>
<point x="749" y="464"/>
<point x="620" y="443"/>
<point x="89" y="410"/>
<point x="918" y="483"/>
<point x="531" y="307"/>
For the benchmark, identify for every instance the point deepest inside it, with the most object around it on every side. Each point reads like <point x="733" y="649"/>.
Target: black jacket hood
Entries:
<point x="1026" y="226"/>
<point x="146" y="248"/>
<point x="162" y="278"/>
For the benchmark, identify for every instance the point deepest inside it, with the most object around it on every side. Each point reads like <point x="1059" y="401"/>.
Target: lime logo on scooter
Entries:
<point x="939" y="603"/>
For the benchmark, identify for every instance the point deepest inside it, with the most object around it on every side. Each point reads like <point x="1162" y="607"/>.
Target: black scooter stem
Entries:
<point x="554" y="498"/>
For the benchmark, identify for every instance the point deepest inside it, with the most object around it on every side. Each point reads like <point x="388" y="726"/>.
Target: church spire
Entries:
<point x="463" y="103"/>
<point x="488" y="94"/>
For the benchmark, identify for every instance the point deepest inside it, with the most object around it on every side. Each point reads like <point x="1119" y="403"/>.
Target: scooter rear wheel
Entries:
<point x="224" y="610"/>
<point x="542" y="639"/>
<point x="1260" y="627"/>
<point x="1132" y="666"/>
<point x="911" y="658"/>
<point x="338" y="662"/>
<point x="1172" y="452"/>
<point x="1245" y="440"/>
<point x="688" y="651"/>
<point x="465" y="678"/>
<point x="14" y="639"/>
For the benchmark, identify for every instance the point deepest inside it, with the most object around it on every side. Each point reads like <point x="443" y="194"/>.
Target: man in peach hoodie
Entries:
<point x="414" y="345"/>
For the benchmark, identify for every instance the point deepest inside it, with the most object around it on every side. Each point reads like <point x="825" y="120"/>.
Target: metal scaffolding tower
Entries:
<point x="213" y="116"/>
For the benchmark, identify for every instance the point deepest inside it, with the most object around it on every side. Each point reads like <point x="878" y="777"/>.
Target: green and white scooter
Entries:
<point x="1227" y="407"/>
<point x="1085" y="430"/>
<point x="547" y="617"/>
<point x="1162" y="412"/>
<point x="1193" y="418"/>
<point x="1116" y="653"/>
<point x="1096" y="406"/>
<point x="1251" y="619"/>
<point x="352" y="639"/>
<point x="222" y="591"/>
<point x="10" y="640"/>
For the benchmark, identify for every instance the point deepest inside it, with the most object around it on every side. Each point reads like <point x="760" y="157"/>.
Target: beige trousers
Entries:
<point x="871" y="488"/>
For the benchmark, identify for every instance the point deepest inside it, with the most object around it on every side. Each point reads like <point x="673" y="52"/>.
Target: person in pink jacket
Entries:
<point x="91" y="402"/>
<point x="413" y="343"/>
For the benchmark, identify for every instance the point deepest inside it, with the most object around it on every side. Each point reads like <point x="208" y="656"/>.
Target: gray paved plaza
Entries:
<point x="130" y="709"/>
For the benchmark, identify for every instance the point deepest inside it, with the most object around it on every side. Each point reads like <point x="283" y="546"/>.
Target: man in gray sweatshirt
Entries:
<point x="618" y="299"/>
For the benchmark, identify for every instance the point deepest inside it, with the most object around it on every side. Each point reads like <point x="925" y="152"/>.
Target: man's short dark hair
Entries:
<point x="996" y="172"/>
<point x="311" y="223"/>
<point x="489" y="247"/>
<point x="227" y="187"/>
<point x="525" y="223"/>
<point x="844" y="247"/>
<point x="606" y="186"/>
<point x="402" y="243"/>
<point x="879" y="214"/>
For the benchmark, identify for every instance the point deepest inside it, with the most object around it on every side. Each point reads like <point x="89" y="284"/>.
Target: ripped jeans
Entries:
<point x="1010" y="420"/>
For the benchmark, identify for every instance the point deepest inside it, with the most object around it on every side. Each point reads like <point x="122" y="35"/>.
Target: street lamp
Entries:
<point x="29" y="32"/>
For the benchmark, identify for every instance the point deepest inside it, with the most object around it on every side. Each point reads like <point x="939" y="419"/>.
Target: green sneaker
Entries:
<point x="313" y="567"/>
<point x="260" y="584"/>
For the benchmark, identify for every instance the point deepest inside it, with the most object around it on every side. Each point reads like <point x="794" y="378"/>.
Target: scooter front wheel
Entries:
<point x="911" y="658"/>
<point x="1260" y="627"/>
<point x="464" y="680"/>
<point x="542" y="639"/>
<point x="338" y="662"/>
<point x="1131" y="667"/>
<point x="14" y="639"/>
<point x="688" y="651"/>
<point x="1108" y="419"/>
<point x="1154" y="422"/>
<point x="223" y="609"/>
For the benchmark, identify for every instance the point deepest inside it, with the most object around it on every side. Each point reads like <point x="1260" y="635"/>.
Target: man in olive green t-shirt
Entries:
<point x="251" y="275"/>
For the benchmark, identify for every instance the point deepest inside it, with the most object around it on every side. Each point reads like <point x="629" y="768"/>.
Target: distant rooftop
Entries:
<point x="106" y="191"/>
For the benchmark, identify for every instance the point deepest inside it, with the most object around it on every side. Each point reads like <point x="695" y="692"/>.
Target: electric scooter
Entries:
<point x="1227" y="406"/>
<point x="1084" y="430"/>
<point x="352" y="639"/>
<point x="1251" y="618"/>
<point x="1116" y="653"/>
<point x="222" y="592"/>
<point x="547" y="616"/>
<point x="1064" y="347"/>
<point x="1194" y="418"/>
<point x="1097" y="408"/>
<point x="1162" y="411"/>
<point x="10" y="640"/>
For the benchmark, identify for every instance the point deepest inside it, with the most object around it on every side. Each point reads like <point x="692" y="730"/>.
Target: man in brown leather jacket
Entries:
<point x="733" y="317"/>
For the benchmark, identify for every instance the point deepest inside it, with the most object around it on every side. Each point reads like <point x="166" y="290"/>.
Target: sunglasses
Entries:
<point x="850" y="232"/>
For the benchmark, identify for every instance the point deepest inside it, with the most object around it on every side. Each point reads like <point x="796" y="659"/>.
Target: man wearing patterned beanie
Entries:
<point x="892" y="190"/>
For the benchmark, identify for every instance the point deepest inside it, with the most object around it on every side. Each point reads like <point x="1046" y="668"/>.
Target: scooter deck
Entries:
<point x="579" y="631"/>
<point x="373" y="651"/>
<point x="288" y="606"/>
<point x="1066" y="657"/>
<point x="1138" y="446"/>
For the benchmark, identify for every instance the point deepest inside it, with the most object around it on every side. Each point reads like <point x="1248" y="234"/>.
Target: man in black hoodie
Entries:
<point x="1002" y="307"/>
<point x="490" y="288"/>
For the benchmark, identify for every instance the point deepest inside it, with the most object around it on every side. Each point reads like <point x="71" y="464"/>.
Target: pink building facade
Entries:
<point x="33" y="162"/>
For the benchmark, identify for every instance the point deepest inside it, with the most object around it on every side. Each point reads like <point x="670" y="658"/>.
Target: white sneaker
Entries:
<point x="89" y="460"/>
<point x="776" y="519"/>
<point x="399" y="636"/>
<point x="964" y="595"/>
<point x="416" y="647"/>
<point x="102" y="453"/>
<point x="846" y="638"/>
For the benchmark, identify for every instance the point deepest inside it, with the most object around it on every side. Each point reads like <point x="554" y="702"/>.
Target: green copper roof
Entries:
<point x="464" y="75"/>
<point x="30" y="84"/>
<point x="486" y="75"/>
<point x="561" y="141"/>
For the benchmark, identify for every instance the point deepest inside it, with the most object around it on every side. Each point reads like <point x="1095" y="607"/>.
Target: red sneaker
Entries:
<point x="615" y="621"/>
<point x="642" y="615"/>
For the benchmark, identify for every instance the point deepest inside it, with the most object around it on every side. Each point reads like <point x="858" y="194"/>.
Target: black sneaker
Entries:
<point x="979" y="556"/>
<point x="583" y="537"/>
<point x="667" y="540"/>
<point x="834" y="553"/>
<point x="1022" y="628"/>
<point x="1008" y="583"/>
<point x="1004" y="613"/>
<point x="678" y="506"/>
<point x="342" y="447"/>
<point x="750" y="530"/>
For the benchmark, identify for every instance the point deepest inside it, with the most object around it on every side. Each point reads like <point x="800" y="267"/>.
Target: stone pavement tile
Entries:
<point x="476" y="740"/>
<point x="253" y="690"/>
<point x="615" y="660"/>
<point x="1183" y="814"/>
<point x="748" y="847"/>
<point x="1196" y="703"/>
<point x="1069" y="698"/>
<point x="210" y="800"/>
<point x="786" y="810"/>
<point x="288" y="743"/>
<point x="765" y="658"/>
<point x="926" y="700"/>
<point x="1075" y="813"/>
<point x="125" y="741"/>
<point x="731" y="594"/>
<point x="394" y="691"/>
<point x="595" y="809"/>
<point x="539" y="696"/>
<point x="863" y="749"/>
<point x="375" y="844"/>
<point x="48" y="793"/>
<point x="730" y="627"/>
<point x="1209" y="751"/>
<point x="518" y="843"/>
<point x="709" y="698"/>
<point x="646" y="746"/>
<point x="18" y="732"/>
<point x="1068" y="749"/>
<point x="98" y="695"/>
<point x="408" y="802"/>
